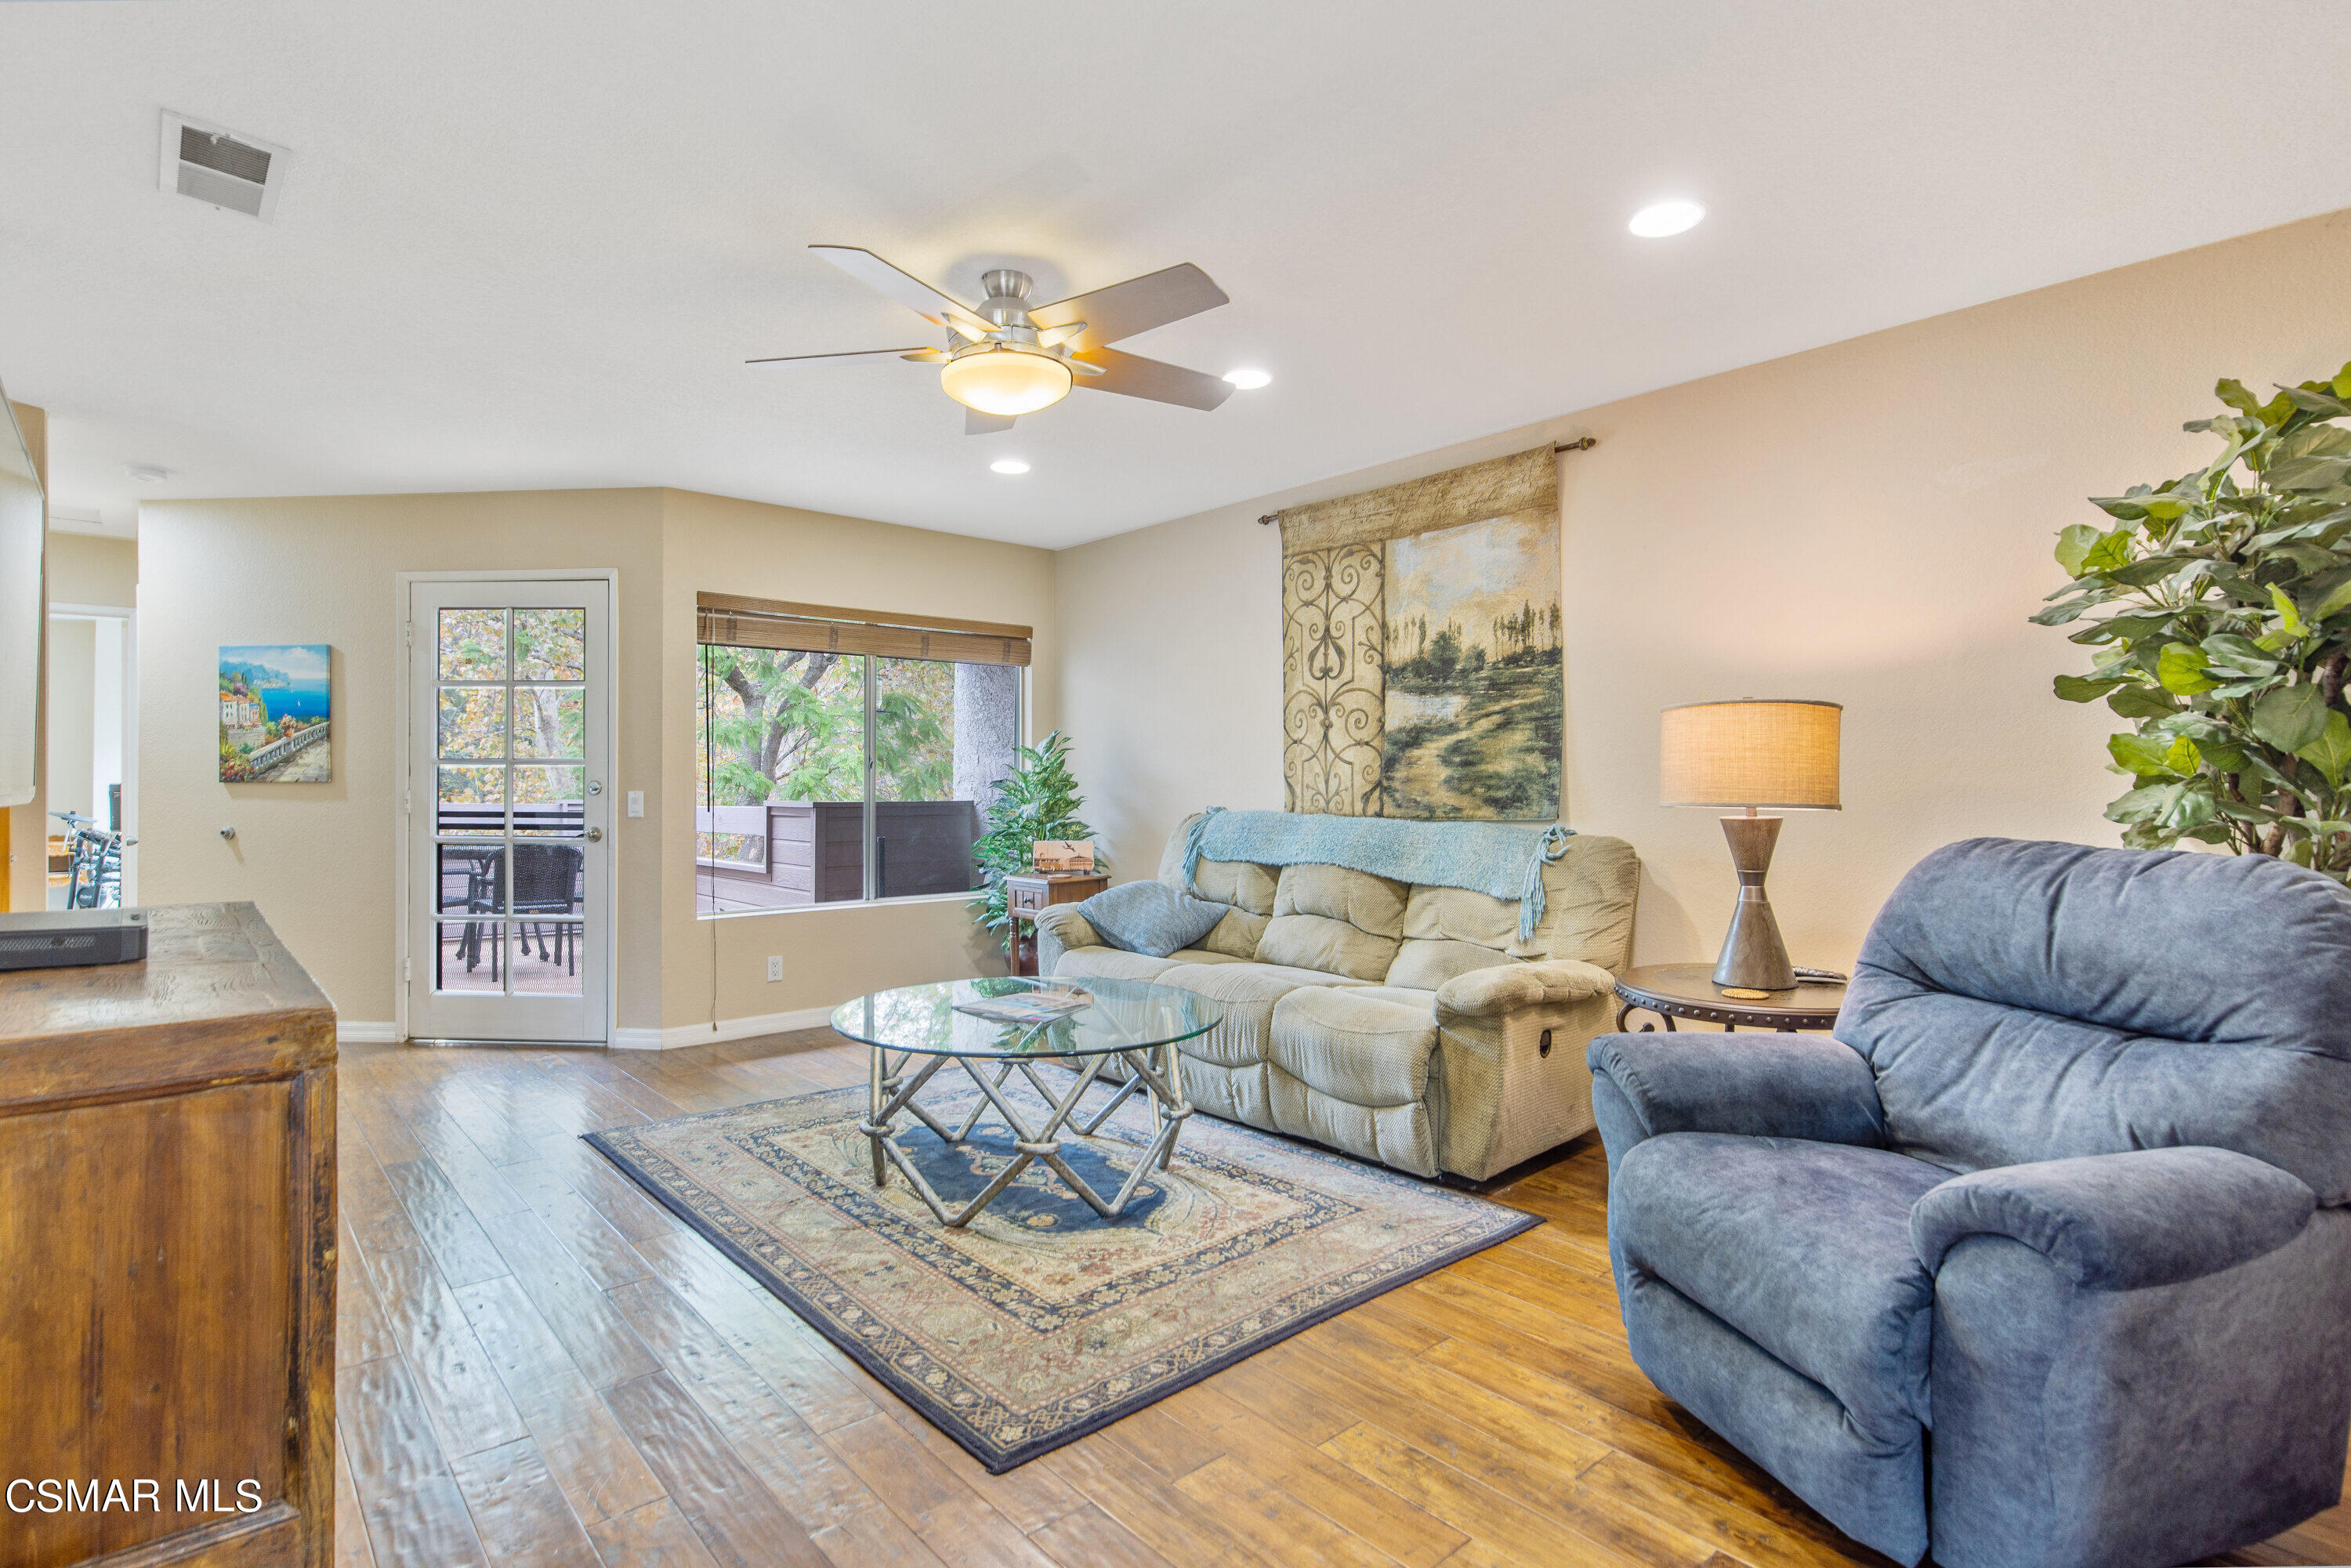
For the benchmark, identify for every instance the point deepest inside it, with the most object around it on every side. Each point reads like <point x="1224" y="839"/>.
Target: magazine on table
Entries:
<point x="1044" y="1005"/>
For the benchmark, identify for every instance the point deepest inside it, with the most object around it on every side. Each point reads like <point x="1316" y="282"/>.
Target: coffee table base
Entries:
<point x="1153" y="1070"/>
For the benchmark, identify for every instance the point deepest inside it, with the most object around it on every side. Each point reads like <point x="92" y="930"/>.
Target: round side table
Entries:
<point x="1687" y="990"/>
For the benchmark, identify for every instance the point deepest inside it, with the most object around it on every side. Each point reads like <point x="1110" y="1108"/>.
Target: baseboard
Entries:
<point x="686" y="1034"/>
<point x="356" y="1031"/>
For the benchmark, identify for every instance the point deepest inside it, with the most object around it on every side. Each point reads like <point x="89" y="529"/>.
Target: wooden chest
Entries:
<point x="167" y="1254"/>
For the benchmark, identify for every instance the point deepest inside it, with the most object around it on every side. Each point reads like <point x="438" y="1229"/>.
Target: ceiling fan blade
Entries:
<point x="905" y="288"/>
<point x="851" y="354"/>
<point x="1083" y="369"/>
<point x="1131" y="375"/>
<point x="1136" y="306"/>
<point x="977" y="424"/>
<point x="1062" y="334"/>
<point x="928" y="356"/>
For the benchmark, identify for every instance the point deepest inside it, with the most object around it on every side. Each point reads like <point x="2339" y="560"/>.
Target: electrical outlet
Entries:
<point x="775" y="968"/>
<point x="636" y="802"/>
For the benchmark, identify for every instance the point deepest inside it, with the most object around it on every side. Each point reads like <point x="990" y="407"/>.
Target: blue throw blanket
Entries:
<point x="1504" y="862"/>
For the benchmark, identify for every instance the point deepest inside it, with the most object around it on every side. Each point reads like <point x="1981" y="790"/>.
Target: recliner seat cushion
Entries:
<point x="1116" y="963"/>
<point x="1249" y="992"/>
<point x="1803" y="1247"/>
<point x="1354" y="1045"/>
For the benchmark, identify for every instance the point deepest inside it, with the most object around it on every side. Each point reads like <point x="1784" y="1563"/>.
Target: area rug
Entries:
<point x="1041" y="1321"/>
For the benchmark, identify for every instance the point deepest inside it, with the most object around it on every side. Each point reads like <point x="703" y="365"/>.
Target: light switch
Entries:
<point x="636" y="802"/>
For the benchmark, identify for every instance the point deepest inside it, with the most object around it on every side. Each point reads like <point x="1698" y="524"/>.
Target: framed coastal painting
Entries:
<point x="275" y="723"/>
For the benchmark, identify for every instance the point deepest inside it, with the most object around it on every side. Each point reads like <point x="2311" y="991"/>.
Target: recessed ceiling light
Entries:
<point x="1666" y="218"/>
<point x="1010" y="465"/>
<point x="1248" y="378"/>
<point x="146" y="473"/>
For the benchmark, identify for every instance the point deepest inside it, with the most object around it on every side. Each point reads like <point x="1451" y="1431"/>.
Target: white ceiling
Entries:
<point x="529" y="245"/>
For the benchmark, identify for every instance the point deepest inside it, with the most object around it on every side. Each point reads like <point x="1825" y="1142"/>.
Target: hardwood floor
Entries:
<point x="537" y="1364"/>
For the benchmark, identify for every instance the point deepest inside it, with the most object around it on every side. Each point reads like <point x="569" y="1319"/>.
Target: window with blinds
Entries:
<point x="846" y="755"/>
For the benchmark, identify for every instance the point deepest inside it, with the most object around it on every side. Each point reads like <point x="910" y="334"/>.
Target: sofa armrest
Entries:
<point x="2118" y="1222"/>
<point x="1502" y="988"/>
<point x="1065" y="925"/>
<point x="1763" y="1085"/>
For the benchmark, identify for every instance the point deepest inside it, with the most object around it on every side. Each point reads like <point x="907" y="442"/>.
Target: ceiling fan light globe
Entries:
<point x="1008" y="382"/>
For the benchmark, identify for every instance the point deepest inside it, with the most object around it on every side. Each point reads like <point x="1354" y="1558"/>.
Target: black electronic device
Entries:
<point x="68" y="938"/>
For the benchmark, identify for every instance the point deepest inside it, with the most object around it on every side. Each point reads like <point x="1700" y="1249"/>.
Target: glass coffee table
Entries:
<point x="1128" y="1023"/>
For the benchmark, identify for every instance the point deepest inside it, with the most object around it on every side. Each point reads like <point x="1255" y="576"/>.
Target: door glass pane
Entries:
<point x="787" y="748"/>
<point x="471" y="878"/>
<point x="547" y="721"/>
<point x="547" y="959"/>
<point x="943" y="734"/>
<point x="473" y="644"/>
<point x="548" y="878"/>
<point x="474" y="722"/>
<point x="550" y="800"/>
<point x="472" y="801"/>
<point x="550" y="645"/>
<point x="467" y="957"/>
<point x="509" y="867"/>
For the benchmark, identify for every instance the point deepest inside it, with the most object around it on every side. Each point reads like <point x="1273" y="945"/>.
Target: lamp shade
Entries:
<point x="1005" y="380"/>
<point x="1750" y="753"/>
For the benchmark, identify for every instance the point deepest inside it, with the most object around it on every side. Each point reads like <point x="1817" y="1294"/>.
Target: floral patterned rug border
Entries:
<point x="1453" y="1225"/>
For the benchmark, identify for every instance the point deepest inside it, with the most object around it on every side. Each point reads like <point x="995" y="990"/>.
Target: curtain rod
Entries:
<point x="1583" y="445"/>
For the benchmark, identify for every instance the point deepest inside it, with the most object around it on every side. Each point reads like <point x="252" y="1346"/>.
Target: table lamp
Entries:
<point x="1750" y="754"/>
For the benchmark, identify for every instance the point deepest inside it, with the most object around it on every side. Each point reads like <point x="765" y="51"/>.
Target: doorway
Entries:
<point x="90" y="781"/>
<point x="508" y="925"/>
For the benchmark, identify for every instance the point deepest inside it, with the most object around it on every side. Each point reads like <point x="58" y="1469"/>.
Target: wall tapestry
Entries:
<point x="274" y="718"/>
<point x="1420" y="647"/>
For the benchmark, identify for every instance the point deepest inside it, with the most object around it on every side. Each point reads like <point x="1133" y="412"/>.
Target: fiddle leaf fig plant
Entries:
<point x="2218" y="607"/>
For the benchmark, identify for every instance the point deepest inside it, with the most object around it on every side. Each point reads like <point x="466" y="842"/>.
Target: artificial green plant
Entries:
<point x="2222" y="631"/>
<point x="1038" y="799"/>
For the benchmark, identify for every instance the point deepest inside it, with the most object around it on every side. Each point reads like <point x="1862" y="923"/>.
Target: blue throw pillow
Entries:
<point x="1150" y="918"/>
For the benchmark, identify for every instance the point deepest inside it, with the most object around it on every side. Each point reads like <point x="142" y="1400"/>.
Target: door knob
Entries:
<point x="595" y="835"/>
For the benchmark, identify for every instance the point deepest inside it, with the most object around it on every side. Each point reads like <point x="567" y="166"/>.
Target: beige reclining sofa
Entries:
<point x="1406" y="1024"/>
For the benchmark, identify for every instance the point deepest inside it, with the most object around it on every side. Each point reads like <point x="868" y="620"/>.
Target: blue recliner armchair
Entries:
<point x="2044" y="1258"/>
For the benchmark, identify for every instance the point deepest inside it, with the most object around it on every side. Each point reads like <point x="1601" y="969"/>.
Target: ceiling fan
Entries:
<point x="1005" y="356"/>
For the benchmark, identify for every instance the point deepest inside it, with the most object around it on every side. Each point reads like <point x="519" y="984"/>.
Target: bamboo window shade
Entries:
<point x="732" y="620"/>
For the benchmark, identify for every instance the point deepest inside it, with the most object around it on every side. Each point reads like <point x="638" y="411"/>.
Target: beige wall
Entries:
<point x="84" y="569"/>
<point x="321" y="860"/>
<point x="24" y="828"/>
<point x="718" y="968"/>
<point x="1870" y="523"/>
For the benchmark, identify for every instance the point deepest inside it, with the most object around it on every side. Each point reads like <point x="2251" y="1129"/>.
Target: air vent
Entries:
<point x="220" y="167"/>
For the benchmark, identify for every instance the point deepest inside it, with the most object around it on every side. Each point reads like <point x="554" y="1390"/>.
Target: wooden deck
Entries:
<point x="538" y="1365"/>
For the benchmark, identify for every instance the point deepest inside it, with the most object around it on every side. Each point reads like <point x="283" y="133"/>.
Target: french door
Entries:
<point x="509" y="750"/>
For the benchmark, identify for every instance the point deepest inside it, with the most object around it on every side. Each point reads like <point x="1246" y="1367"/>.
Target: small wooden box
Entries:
<point x="1025" y="896"/>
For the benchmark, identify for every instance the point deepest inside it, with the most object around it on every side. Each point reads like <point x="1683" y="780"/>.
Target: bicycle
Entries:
<point x="94" y="867"/>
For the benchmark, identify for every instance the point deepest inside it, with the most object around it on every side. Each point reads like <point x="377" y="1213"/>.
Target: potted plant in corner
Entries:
<point x="2224" y="632"/>
<point x="1038" y="799"/>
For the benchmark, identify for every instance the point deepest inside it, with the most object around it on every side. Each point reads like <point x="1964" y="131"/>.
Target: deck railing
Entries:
<point x="550" y="818"/>
<point x="263" y="759"/>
